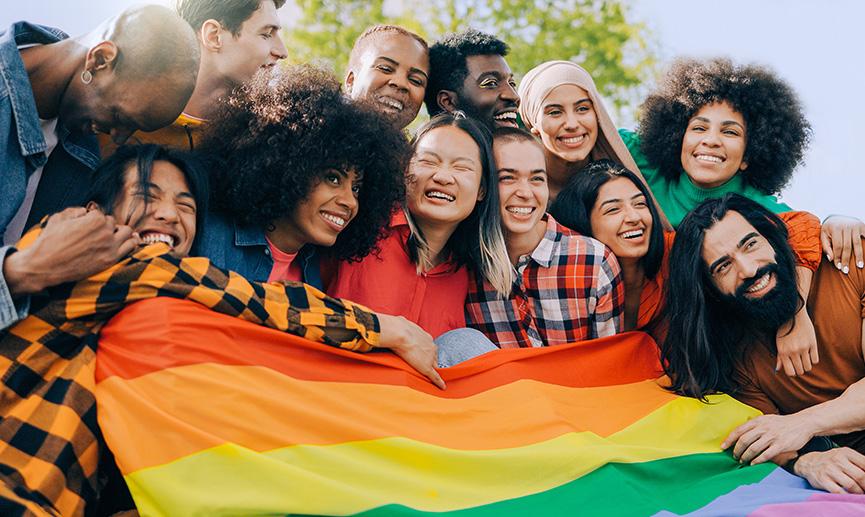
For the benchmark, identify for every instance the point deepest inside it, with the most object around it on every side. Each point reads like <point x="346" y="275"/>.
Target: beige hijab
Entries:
<point x="536" y="87"/>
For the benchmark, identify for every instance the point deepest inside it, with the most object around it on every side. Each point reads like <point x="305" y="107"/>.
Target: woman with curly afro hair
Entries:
<point x="298" y="169"/>
<point x="713" y="127"/>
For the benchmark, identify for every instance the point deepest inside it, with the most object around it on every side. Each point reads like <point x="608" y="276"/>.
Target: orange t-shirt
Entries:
<point x="390" y="284"/>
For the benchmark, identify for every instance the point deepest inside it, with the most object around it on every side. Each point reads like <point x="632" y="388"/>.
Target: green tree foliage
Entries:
<point x="599" y="35"/>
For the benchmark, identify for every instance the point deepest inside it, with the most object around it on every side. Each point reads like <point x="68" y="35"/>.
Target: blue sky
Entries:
<point x="817" y="49"/>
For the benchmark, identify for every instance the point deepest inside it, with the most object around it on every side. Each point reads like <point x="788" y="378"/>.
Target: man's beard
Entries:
<point x="774" y="308"/>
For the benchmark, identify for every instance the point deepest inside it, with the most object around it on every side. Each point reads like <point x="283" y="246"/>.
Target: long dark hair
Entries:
<point x="703" y="342"/>
<point x="477" y="240"/>
<point x="110" y="177"/>
<point x="573" y="206"/>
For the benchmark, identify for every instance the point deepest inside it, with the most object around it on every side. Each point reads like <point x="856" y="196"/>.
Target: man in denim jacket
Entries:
<point x="135" y="71"/>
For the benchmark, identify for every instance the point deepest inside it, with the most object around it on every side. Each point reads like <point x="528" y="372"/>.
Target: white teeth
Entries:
<point x="391" y="103"/>
<point x="632" y="234"/>
<point x="440" y="195"/>
<point x="762" y="283"/>
<point x="335" y="219"/>
<point x="510" y="115"/>
<point x="520" y="210"/>
<point x="708" y="158"/>
<point x="153" y="238"/>
<point x="574" y="139"/>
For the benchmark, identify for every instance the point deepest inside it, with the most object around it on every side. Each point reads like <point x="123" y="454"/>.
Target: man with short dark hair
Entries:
<point x="237" y="39"/>
<point x="389" y="66"/>
<point x="468" y="72"/>
<point x="732" y="286"/>
<point x="55" y="92"/>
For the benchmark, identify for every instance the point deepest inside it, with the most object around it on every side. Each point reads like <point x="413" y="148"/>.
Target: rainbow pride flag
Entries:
<point x="209" y="415"/>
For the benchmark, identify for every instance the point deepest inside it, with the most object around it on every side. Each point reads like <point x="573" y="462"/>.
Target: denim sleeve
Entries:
<point x="11" y="311"/>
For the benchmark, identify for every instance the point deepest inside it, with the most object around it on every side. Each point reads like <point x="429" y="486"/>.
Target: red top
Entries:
<point x="282" y="265"/>
<point x="389" y="283"/>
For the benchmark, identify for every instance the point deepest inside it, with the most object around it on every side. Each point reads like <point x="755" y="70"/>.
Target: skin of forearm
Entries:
<point x="803" y="280"/>
<point x="844" y="414"/>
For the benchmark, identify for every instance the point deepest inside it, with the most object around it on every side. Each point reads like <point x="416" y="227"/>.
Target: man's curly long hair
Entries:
<point x="776" y="128"/>
<point x="271" y="142"/>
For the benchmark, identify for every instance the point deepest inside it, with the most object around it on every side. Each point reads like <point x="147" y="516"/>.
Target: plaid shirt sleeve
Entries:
<point x="609" y="314"/>
<point x="153" y="271"/>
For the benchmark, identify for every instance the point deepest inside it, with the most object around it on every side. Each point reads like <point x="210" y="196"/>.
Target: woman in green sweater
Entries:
<point x="713" y="127"/>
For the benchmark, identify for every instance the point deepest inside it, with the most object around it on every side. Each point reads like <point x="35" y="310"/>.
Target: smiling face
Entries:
<point x="489" y="92"/>
<point x="392" y="71"/>
<point x="326" y="211"/>
<point x="740" y="261"/>
<point x="257" y="46"/>
<point x="569" y="125"/>
<point x="444" y="177"/>
<point x="621" y="219"/>
<point x="523" y="190"/>
<point x="713" y="148"/>
<point x="164" y="212"/>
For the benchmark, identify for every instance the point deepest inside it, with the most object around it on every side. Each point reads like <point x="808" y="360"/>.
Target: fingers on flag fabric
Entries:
<point x="209" y="415"/>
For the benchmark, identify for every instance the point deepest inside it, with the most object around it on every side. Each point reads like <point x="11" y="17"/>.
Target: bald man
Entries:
<point x="237" y="39"/>
<point x="135" y="71"/>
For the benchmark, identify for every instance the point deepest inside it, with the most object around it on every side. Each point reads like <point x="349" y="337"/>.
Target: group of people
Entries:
<point x="166" y="154"/>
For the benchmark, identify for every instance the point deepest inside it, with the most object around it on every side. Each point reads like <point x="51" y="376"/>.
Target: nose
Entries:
<point x="509" y="93"/>
<point x="572" y="120"/>
<point x="631" y="214"/>
<point x="346" y="199"/>
<point x="711" y="138"/>
<point x="165" y="210"/>
<point x="443" y="176"/>
<point x="399" y="81"/>
<point x="119" y="135"/>
<point x="747" y="267"/>
<point x="279" y="51"/>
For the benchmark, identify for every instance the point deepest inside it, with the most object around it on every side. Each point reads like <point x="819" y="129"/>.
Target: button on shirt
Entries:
<point x="568" y="289"/>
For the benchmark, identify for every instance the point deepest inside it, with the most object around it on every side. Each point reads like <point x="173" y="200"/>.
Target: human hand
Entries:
<point x="838" y="471"/>
<point x="766" y="437"/>
<point x="797" y="347"/>
<point x="412" y="343"/>
<point x="74" y="244"/>
<point x="841" y="235"/>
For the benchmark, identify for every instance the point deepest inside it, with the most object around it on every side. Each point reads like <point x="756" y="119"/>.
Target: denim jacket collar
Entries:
<point x="308" y="255"/>
<point x="27" y="124"/>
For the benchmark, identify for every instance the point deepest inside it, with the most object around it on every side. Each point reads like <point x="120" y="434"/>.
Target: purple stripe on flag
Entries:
<point x="819" y="505"/>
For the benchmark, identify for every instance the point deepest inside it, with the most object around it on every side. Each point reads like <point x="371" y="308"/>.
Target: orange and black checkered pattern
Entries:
<point x="49" y="439"/>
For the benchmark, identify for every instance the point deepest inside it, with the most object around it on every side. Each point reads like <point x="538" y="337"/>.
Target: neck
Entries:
<point x="520" y="244"/>
<point x="209" y="89"/>
<point x="632" y="273"/>
<point x="285" y="237"/>
<point x="559" y="172"/>
<point x="51" y="68"/>
<point x="436" y="236"/>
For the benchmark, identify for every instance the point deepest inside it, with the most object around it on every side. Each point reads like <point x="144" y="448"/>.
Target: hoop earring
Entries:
<point x="271" y="228"/>
<point x="86" y="77"/>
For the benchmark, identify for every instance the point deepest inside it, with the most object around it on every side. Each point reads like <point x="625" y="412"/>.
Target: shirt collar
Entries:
<point x="548" y="248"/>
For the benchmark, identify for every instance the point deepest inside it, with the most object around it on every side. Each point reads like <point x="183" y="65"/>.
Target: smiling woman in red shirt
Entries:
<point x="450" y="223"/>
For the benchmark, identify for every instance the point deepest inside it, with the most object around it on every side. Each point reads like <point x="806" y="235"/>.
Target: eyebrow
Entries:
<point x="271" y="27"/>
<point x="617" y="200"/>
<point x="514" y="171"/>
<point x="558" y="105"/>
<point x="742" y="242"/>
<point x="723" y="123"/>
<point x="396" y="63"/>
<point x="187" y="195"/>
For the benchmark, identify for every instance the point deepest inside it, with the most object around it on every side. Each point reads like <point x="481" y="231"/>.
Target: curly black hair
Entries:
<point x="447" y="62"/>
<point x="776" y="127"/>
<point x="271" y="141"/>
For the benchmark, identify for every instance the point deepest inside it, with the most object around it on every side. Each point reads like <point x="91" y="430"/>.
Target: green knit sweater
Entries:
<point x="677" y="198"/>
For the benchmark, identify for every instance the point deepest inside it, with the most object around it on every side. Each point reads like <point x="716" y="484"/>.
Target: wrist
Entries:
<point x="807" y="422"/>
<point x="20" y="276"/>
